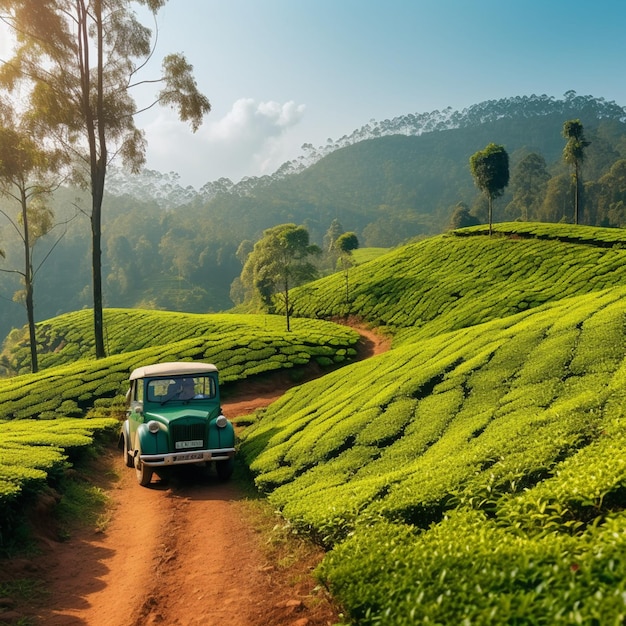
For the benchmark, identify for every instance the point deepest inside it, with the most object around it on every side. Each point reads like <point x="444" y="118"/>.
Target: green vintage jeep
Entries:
<point x="174" y="418"/>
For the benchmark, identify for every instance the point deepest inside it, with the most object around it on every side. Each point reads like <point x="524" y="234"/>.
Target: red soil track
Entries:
<point x="185" y="553"/>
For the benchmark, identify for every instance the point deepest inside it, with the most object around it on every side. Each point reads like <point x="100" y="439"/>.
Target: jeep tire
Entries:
<point x="142" y="471"/>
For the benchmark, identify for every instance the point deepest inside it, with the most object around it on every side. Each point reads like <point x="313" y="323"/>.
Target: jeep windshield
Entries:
<point x="184" y="388"/>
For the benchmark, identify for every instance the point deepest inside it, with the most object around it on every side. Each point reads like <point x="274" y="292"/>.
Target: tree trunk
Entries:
<point x="96" y="264"/>
<point x="30" y="311"/>
<point x="576" y="192"/>
<point x="490" y="198"/>
<point x="287" y="304"/>
<point x="28" y="286"/>
<point x="98" y="163"/>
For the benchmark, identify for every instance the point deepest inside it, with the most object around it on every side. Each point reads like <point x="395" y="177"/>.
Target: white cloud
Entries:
<point x="251" y="139"/>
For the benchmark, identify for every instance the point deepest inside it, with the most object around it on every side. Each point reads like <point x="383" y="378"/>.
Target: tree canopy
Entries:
<point x="77" y="61"/>
<point x="279" y="261"/>
<point x="490" y="169"/>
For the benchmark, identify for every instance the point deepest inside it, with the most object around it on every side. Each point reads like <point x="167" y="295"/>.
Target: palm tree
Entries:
<point x="574" y="155"/>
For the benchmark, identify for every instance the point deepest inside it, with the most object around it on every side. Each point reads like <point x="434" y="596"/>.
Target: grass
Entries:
<point x="85" y="502"/>
<point x="27" y="591"/>
<point x="290" y="556"/>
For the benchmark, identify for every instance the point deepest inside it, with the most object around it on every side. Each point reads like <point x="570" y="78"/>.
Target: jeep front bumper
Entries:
<point x="179" y="458"/>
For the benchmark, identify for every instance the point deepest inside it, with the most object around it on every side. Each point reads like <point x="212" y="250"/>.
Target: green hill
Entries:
<point x="389" y="182"/>
<point x="475" y="473"/>
<point x="46" y="417"/>
<point x="391" y="188"/>
<point x="464" y="278"/>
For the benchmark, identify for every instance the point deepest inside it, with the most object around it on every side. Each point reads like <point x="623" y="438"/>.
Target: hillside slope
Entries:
<point x="475" y="473"/>
<point x="463" y="278"/>
<point x="391" y="181"/>
<point x="389" y="189"/>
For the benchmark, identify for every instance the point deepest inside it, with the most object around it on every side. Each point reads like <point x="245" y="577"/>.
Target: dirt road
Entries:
<point x="183" y="553"/>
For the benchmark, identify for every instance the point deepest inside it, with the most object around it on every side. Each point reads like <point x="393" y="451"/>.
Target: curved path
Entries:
<point x="183" y="554"/>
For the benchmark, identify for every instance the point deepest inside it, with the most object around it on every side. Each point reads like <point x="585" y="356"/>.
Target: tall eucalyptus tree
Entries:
<point x="28" y="175"/>
<point x="78" y="61"/>
<point x="574" y="155"/>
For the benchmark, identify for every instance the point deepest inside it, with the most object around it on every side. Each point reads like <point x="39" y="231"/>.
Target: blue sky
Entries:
<point x="280" y="73"/>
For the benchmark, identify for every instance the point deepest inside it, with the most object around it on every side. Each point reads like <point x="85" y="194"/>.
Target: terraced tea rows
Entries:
<point x="476" y="473"/>
<point x="452" y="281"/>
<point x="507" y="434"/>
<point x="69" y="337"/>
<point x="30" y="451"/>
<point x="377" y="433"/>
<point x="35" y="432"/>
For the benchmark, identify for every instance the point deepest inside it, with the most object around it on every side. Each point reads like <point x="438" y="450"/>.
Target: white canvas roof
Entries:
<point x="172" y="369"/>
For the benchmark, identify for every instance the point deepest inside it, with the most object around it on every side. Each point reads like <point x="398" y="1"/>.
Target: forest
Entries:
<point x="390" y="182"/>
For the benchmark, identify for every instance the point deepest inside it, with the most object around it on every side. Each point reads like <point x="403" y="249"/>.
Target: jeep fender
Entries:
<point x="221" y="437"/>
<point x="152" y="443"/>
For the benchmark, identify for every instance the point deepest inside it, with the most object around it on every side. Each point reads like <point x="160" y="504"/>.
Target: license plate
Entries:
<point x="194" y="443"/>
<point x="189" y="456"/>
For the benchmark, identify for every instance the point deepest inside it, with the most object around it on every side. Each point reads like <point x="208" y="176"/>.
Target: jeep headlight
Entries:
<point x="221" y="421"/>
<point x="153" y="427"/>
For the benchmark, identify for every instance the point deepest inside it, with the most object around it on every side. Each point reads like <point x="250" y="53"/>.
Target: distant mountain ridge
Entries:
<point x="166" y="190"/>
<point x="390" y="182"/>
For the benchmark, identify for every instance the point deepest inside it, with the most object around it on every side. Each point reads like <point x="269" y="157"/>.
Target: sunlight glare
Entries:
<point x="6" y="42"/>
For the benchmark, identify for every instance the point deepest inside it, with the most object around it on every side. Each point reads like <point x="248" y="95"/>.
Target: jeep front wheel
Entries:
<point x="142" y="471"/>
<point x="225" y="468"/>
<point x="128" y="455"/>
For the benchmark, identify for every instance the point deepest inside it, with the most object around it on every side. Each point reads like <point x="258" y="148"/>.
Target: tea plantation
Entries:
<point x="44" y="417"/>
<point x="476" y="473"/>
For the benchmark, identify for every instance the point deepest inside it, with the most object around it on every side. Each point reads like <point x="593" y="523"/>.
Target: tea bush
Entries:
<point x="32" y="449"/>
<point x="469" y="570"/>
<point x="470" y="477"/>
<point x="35" y="432"/>
<point x="461" y="279"/>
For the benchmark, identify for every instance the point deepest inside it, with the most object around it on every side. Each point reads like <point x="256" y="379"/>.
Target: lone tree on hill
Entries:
<point x="574" y="155"/>
<point x="490" y="169"/>
<point x="76" y="62"/>
<point x="344" y="245"/>
<point x="277" y="263"/>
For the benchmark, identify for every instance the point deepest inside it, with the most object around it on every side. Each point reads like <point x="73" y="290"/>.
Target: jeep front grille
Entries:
<point x="188" y="432"/>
